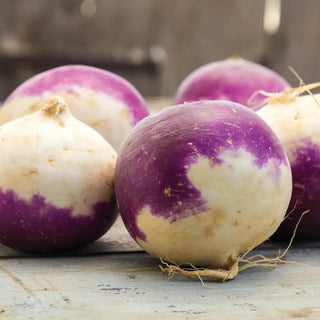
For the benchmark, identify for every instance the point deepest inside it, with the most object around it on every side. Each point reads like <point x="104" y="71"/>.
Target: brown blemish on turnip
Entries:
<point x="124" y="113"/>
<point x="61" y="123"/>
<point x="208" y="231"/>
<point x="100" y="122"/>
<point x="235" y="222"/>
<point x="218" y="217"/>
<point x="34" y="107"/>
<point x="196" y="126"/>
<point x="167" y="192"/>
<point x="33" y="171"/>
<point x="90" y="99"/>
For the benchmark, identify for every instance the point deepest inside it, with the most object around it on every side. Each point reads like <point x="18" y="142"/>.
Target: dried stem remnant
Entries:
<point x="54" y="106"/>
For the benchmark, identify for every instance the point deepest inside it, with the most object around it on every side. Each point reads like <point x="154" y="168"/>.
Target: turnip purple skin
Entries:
<point x="38" y="226"/>
<point x="201" y="182"/>
<point x="233" y="79"/>
<point x="56" y="181"/>
<point x="295" y="120"/>
<point x="103" y="100"/>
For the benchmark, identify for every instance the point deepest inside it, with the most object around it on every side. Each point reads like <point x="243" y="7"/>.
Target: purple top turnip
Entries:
<point x="233" y="79"/>
<point x="202" y="182"/>
<point x="103" y="100"/>
<point x="56" y="181"/>
<point x="295" y="120"/>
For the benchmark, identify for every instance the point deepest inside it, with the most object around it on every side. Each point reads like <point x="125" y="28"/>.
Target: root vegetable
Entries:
<point x="232" y="79"/>
<point x="101" y="99"/>
<point x="295" y="120"/>
<point x="56" y="181"/>
<point x="202" y="182"/>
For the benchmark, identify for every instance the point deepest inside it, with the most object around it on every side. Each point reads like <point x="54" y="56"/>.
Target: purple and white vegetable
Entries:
<point x="233" y="79"/>
<point x="56" y="181"/>
<point x="202" y="182"/>
<point x="101" y="99"/>
<point x="295" y="120"/>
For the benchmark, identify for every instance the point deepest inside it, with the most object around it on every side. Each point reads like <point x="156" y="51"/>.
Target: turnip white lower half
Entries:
<point x="202" y="182"/>
<point x="101" y="99"/>
<point x="56" y="181"/>
<point x="295" y="120"/>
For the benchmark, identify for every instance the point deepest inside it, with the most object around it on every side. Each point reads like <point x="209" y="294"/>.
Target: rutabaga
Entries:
<point x="202" y="182"/>
<point x="296" y="122"/>
<point x="101" y="99"/>
<point x="56" y="181"/>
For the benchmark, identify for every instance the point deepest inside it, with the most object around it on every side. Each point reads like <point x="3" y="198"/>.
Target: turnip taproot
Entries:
<point x="295" y="120"/>
<point x="202" y="182"/>
<point x="233" y="79"/>
<point x="101" y="99"/>
<point x="56" y="181"/>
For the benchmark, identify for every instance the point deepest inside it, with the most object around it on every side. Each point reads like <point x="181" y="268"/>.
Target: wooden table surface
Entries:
<point x="113" y="279"/>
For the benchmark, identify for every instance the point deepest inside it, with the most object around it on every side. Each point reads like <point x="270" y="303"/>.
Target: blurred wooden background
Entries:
<point x="155" y="43"/>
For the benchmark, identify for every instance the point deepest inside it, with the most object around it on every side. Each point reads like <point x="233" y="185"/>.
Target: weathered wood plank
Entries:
<point x="297" y="43"/>
<point x="180" y="35"/>
<point x="197" y="32"/>
<point x="130" y="286"/>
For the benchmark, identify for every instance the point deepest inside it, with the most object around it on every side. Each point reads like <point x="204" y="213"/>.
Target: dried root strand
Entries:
<point x="230" y="273"/>
<point x="287" y="96"/>
<point x="260" y="260"/>
<point x="194" y="272"/>
<point x="305" y="88"/>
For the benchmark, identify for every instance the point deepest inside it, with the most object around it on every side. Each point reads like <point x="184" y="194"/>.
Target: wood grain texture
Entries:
<point x="177" y="36"/>
<point x="130" y="286"/>
<point x="198" y="32"/>
<point x="297" y="44"/>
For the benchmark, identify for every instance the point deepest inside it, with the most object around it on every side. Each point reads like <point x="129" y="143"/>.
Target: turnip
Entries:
<point x="56" y="181"/>
<point x="233" y="79"/>
<point x="295" y="120"/>
<point x="101" y="99"/>
<point x="202" y="182"/>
